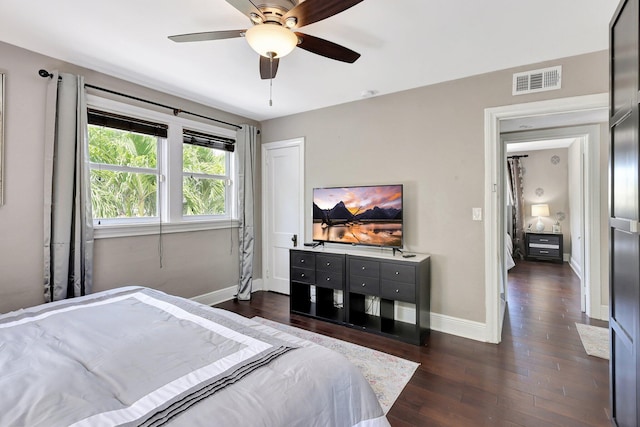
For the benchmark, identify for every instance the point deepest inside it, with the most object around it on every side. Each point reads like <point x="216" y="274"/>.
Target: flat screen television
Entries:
<point x="362" y="215"/>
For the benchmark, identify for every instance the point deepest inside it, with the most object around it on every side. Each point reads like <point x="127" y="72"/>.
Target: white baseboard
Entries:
<point x="442" y="323"/>
<point x="403" y="312"/>
<point x="258" y="285"/>
<point x="226" y="294"/>
<point x="575" y="266"/>
<point x="604" y="312"/>
<point x="216" y="297"/>
<point x="460" y="327"/>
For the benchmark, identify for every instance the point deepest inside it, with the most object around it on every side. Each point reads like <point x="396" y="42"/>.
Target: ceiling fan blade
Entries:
<point x="326" y="48"/>
<point x="208" y="35"/>
<point x="310" y="11"/>
<point x="246" y="7"/>
<point x="268" y="69"/>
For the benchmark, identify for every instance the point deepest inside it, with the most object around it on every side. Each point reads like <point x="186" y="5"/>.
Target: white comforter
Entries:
<point x="508" y="243"/>
<point x="135" y="357"/>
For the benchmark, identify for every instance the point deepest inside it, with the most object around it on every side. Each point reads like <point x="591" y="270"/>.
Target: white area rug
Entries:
<point x="595" y="340"/>
<point x="387" y="374"/>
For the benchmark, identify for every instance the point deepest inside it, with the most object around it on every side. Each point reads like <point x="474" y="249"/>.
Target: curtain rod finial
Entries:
<point x="44" y="73"/>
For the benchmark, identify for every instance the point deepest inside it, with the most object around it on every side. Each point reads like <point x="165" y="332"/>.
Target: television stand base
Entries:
<point x="314" y="244"/>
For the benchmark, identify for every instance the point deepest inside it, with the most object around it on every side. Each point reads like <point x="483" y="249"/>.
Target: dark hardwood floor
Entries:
<point x="538" y="376"/>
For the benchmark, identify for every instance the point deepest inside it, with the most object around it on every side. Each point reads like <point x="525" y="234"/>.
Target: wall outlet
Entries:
<point x="476" y="214"/>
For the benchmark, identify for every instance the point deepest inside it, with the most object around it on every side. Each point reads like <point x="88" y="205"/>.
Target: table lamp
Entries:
<point x="540" y="211"/>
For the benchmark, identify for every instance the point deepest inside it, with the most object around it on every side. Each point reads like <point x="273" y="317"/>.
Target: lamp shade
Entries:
<point x="540" y="210"/>
<point x="271" y="40"/>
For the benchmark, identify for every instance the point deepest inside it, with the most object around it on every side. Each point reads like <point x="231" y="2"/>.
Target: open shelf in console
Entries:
<point x="382" y="323"/>
<point x="324" y="306"/>
<point x="389" y="325"/>
<point x="358" y="316"/>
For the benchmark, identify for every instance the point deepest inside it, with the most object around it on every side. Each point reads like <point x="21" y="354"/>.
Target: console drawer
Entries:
<point x="329" y="279"/>
<point x="398" y="291"/>
<point x="303" y="275"/>
<point x="363" y="267"/>
<point x="330" y="263"/>
<point x="397" y="272"/>
<point x="364" y="285"/>
<point x="303" y="260"/>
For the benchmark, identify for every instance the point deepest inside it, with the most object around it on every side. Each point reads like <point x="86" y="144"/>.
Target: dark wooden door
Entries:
<point x="624" y="226"/>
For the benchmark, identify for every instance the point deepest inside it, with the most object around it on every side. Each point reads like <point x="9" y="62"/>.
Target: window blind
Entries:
<point x="130" y="124"/>
<point x="207" y="140"/>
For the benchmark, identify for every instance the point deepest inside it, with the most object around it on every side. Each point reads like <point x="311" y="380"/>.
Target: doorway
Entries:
<point x="554" y="173"/>
<point x="545" y="114"/>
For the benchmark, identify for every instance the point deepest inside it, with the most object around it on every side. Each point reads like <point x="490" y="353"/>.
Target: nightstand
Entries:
<point x="543" y="246"/>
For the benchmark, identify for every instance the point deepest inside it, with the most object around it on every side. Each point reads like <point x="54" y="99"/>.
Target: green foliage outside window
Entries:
<point x="130" y="194"/>
<point x="203" y="196"/>
<point x="199" y="159"/>
<point x="117" y="194"/>
<point x="122" y="148"/>
<point x="123" y="194"/>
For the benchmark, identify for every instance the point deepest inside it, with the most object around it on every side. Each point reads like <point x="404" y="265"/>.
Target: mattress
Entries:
<point x="138" y="357"/>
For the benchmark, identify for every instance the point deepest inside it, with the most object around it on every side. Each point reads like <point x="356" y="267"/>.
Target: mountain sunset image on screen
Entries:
<point x="363" y="215"/>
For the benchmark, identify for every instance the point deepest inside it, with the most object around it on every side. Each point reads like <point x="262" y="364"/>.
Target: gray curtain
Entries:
<point x="516" y="196"/>
<point x="246" y="155"/>
<point x="68" y="223"/>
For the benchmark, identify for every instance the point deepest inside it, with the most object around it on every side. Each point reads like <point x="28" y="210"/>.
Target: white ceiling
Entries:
<point x="404" y="44"/>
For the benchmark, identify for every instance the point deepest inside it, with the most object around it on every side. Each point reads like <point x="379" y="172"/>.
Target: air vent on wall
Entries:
<point x="537" y="80"/>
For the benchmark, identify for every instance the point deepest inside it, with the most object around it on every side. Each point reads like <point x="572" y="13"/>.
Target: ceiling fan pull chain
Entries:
<point x="271" y="81"/>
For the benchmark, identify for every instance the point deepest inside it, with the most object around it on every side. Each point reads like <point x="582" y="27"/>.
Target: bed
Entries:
<point x="508" y="243"/>
<point x="138" y="357"/>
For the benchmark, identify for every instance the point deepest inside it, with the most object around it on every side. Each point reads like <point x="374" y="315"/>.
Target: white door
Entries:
<point x="283" y="214"/>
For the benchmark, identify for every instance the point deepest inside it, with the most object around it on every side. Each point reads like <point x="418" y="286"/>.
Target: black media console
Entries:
<point x="385" y="294"/>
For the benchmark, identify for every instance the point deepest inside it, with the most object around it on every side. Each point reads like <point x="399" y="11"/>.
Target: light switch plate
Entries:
<point x="476" y="214"/>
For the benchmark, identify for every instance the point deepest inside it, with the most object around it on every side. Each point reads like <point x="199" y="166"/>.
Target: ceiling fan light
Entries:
<point x="255" y="18"/>
<point x="271" y="40"/>
<point x="291" y="22"/>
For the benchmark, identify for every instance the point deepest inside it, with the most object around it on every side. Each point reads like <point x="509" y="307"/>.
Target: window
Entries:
<point x="135" y="160"/>
<point x="205" y="167"/>
<point x="124" y="166"/>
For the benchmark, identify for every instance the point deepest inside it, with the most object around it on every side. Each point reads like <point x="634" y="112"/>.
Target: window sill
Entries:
<point x="150" y="229"/>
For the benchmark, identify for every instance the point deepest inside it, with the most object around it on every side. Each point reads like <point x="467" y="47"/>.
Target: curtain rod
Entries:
<point x="176" y="111"/>
<point x="517" y="157"/>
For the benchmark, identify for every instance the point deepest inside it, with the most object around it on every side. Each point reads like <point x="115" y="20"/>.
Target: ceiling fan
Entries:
<point x="272" y="34"/>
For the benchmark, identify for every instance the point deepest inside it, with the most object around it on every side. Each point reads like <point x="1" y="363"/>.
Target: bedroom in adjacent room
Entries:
<point x="550" y="186"/>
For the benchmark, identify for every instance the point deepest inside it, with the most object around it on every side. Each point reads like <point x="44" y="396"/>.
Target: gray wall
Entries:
<point x="194" y="263"/>
<point x="431" y="139"/>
